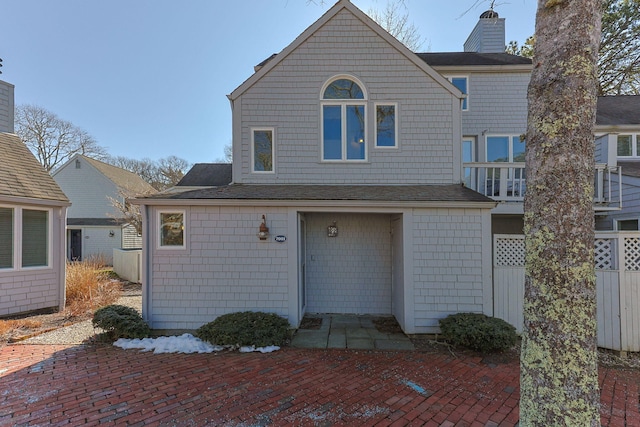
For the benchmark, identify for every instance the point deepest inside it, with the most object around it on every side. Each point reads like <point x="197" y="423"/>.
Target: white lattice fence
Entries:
<point x="617" y="263"/>
<point x="510" y="252"/>
<point x="632" y="253"/>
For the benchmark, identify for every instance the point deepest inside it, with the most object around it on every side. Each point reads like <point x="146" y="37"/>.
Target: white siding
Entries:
<point x="350" y="273"/>
<point x="448" y="264"/>
<point x="88" y="189"/>
<point x="287" y="98"/>
<point x="130" y="238"/>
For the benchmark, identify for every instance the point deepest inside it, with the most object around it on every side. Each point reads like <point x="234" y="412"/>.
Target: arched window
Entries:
<point x="343" y="120"/>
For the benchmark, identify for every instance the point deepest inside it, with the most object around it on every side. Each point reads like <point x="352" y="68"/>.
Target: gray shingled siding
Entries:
<point x="497" y="105"/>
<point x="448" y="265"/>
<point x="488" y="36"/>
<point x="287" y="98"/>
<point x="7" y="107"/>
<point x="349" y="273"/>
<point x="224" y="269"/>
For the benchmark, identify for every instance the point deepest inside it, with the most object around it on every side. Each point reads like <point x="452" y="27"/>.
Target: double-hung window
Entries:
<point x="343" y="121"/>
<point x="24" y="237"/>
<point x="262" y="149"/>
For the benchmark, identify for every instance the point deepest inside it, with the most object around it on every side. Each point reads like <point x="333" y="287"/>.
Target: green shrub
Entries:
<point x="120" y="321"/>
<point x="478" y="332"/>
<point x="246" y="328"/>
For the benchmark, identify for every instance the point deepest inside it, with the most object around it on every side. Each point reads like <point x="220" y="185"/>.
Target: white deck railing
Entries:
<point x="507" y="182"/>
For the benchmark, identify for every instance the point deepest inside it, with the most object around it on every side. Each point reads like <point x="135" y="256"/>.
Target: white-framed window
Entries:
<point x="628" y="145"/>
<point x="343" y="118"/>
<point x="25" y="237"/>
<point x="462" y="83"/>
<point x="468" y="156"/>
<point x="626" y="224"/>
<point x="171" y="229"/>
<point x="262" y="150"/>
<point x="386" y="125"/>
<point x="505" y="148"/>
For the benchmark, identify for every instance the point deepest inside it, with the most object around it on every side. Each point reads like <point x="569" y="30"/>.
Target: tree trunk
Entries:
<point x="559" y="369"/>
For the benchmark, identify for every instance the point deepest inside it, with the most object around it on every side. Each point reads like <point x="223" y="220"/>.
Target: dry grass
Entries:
<point x="7" y="326"/>
<point x="89" y="286"/>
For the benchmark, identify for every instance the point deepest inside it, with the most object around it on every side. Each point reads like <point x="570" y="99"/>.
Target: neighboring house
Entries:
<point x="32" y="232"/>
<point x="94" y="225"/>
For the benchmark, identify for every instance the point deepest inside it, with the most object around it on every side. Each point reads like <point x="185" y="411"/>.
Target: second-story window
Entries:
<point x="386" y="129"/>
<point x="462" y="83"/>
<point x="628" y="146"/>
<point x="505" y="148"/>
<point x="343" y="121"/>
<point x="262" y="150"/>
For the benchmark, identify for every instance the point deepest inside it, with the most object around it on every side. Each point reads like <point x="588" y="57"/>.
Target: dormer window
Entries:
<point x="343" y="120"/>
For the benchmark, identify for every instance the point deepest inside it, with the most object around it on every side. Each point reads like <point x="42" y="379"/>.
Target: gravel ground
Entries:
<point x="80" y="332"/>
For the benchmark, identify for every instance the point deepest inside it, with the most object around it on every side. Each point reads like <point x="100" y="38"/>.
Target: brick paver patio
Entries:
<point x="105" y="385"/>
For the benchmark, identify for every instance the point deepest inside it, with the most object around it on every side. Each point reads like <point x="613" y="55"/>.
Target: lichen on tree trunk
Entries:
<point x="559" y="377"/>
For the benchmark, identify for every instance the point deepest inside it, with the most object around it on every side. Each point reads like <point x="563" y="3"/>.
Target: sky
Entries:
<point x="150" y="78"/>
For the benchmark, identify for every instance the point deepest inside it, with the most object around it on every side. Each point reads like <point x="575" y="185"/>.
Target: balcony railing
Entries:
<point x="506" y="182"/>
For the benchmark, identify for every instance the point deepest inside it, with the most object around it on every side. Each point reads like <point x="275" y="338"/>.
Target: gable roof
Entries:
<point x="122" y="178"/>
<point x="341" y="5"/>
<point x="618" y="110"/>
<point x="207" y="175"/>
<point x="21" y="175"/>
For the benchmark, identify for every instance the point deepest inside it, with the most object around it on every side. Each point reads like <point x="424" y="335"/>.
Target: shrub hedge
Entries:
<point x="120" y="321"/>
<point x="246" y="328"/>
<point x="478" y="332"/>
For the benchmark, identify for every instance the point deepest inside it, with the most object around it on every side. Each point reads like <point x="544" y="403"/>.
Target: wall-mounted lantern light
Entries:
<point x="332" y="230"/>
<point x="263" y="233"/>
<point x="111" y="233"/>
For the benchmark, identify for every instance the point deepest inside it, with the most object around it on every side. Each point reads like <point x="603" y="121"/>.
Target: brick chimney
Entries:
<point x="488" y="36"/>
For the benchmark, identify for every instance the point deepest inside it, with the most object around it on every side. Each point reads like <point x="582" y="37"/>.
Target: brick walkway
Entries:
<point x="104" y="385"/>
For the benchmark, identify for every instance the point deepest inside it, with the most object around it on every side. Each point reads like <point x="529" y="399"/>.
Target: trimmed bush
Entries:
<point x="120" y="321"/>
<point x="478" y="332"/>
<point x="246" y="328"/>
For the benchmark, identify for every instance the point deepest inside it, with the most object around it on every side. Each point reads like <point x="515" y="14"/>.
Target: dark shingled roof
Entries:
<point x="618" y="110"/>
<point x="21" y="175"/>
<point x="472" y="58"/>
<point x="207" y="175"/>
<point x="96" y="221"/>
<point x="370" y="193"/>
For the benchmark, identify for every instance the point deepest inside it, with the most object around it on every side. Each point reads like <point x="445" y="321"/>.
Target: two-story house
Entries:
<point x="347" y="192"/>
<point x="95" y="225"/>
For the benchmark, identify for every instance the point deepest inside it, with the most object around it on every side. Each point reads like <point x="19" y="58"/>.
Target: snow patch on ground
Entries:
<point x="185" y="343"/>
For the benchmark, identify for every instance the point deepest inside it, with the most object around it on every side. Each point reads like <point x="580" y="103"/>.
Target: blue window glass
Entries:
<point x="518" y="149"/>
<point x="461" y="83"/>
<point x="497" y="149"/>
<point x="332" y="132"/>
<point x="386" y="126"/>
<point x="263" y="151"/>
<point x="355" y="132"/>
